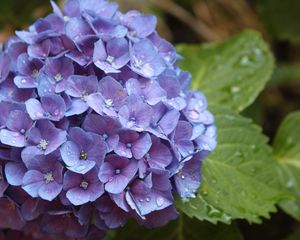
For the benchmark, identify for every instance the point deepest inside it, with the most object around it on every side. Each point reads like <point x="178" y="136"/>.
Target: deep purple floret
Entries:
<point x="113" y="56"/>
<point x="79" y="88"/>
<point x="44" y="138"/>
<point x="83" y="151"/>
<point x="43" y="177"/>
<point x="133" y="144"/>
<point x="105" y="126"/>
<point x="17" y="126"/>
<point x="51" y="107"/>
<point x="116" y="172"/>
<point x="110" y="98"/>
<point x="82" y="189"/>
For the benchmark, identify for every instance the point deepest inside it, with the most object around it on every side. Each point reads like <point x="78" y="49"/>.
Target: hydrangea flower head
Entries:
<point x="97" y="124"/>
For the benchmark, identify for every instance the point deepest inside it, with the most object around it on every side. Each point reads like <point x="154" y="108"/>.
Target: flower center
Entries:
<point x="35" y="73"/>
<point x="132" y="33"/>
<point x="43" y="144"/>
<point x="138" y="63"/>
<point x="128" y="145"/>
<point x="109" y="102"/>
<point x="105" y="136"/>
<point x="84" y="184"/>
<point x="110" y="59"/>
<point x="118" y="171"/>
<point x="83" y="155"/>
<point x="131" y="122"/>
<point x="84" y="95"/>
<point x="47" y="114"/>
<point x="58" y="77"/>
<point x="22" y="131"/>
<point x="48" y="177"/>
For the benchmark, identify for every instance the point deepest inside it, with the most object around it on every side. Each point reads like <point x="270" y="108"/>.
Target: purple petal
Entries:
<point x="14" y="173"/>
<point x="18" y="121"/>
<point x="50" y="191"/>
<point x="78" y="196"/>
<point x="100" y="8"/>
<point x="96" y="102"/>
<point x="34" y="109"/>
<point x="32" y="181"/>
<point x="187" y="181"/>
<point x="25" y="82"/>
<point x="169" y="121"/>
<point x="160" y="218"/>
<point x="11" y="138"/>
<point x="70" y="153"/>
<point x="113" y="90"/>
<point x="80" y="86"/>
<point x="77" y="28"/>
<point x="140" y="25"/>
<point x="141" y="146"/>
<point x="54" y="105"/>
<point x="78" y="107"/>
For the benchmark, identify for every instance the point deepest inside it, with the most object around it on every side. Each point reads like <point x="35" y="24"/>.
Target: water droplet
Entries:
<point x="245" y="61"/>
<point x="159" y="201"/>
<point x="235" y="89"/>
<point x="289" y="140"/>
<point x="128" y="145"/>
<point x="110" y="59"/>
<point x="105" y="136"/>
<point x="141" y="200"/>
<point x="56" y="112"/>
<point x="227" y="218"/>
<point x="204" y="193"/>
<point x="213" y="212"/>
<point x="66" y="18"/>
<point x="289" y="184"/>
<point x="257" y="51"/>
<point x="23" y="81"/>
<point x="182" y="177"/>
<point x="148" y="199"/>
<point x="80" y="168"/>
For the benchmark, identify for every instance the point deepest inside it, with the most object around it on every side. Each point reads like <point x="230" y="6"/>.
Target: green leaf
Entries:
<point x="281" y="18"/>
<point x="287" y="152"/>
<point x="232" y="73"/>
<point x="240" y="179"/>
<point x="182" y="229"/>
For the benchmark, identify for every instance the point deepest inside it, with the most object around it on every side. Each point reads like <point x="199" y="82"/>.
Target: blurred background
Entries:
<point x="199" y="21"/>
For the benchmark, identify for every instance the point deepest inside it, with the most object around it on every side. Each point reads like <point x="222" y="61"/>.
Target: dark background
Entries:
<point x="198" y="21"/>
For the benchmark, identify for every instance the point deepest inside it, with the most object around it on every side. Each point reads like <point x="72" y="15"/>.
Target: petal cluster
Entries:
<point x="97" y="124"/>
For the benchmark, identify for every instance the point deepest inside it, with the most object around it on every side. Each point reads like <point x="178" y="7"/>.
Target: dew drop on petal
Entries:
<point x="159" y="201"/>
